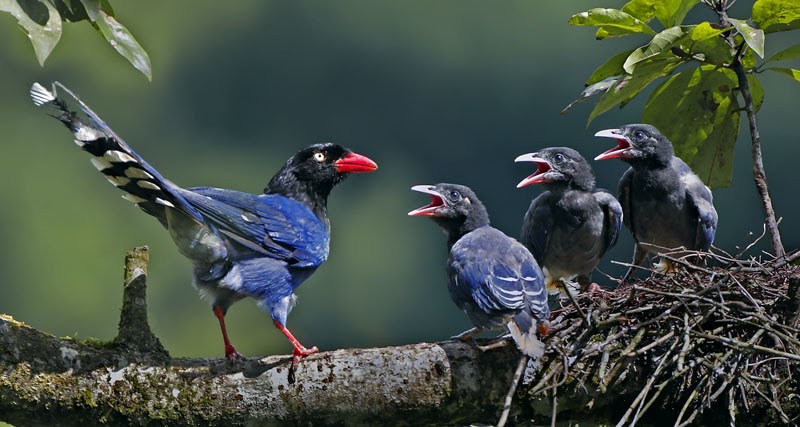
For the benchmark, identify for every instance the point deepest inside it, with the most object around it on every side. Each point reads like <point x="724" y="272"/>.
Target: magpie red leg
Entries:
<point x="230" y="352"/>
<point x="299" y="350"/>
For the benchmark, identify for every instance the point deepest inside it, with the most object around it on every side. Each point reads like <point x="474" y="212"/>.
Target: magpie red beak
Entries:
<point x="355" y="163"/>
<point x="623" y="150"/>
<point x="542" y="168"/>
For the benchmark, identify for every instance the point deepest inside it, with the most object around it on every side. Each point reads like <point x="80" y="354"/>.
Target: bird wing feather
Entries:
<point x="701" y="201"/>
<point x="537" y="224"/>
<point x="625" y="202"/>
<point x="487" y="273"/>
<point x="612" y="218"/>
<point x="272" y="224"/>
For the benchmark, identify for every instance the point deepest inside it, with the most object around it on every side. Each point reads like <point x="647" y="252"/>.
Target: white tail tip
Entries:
<point x="527" y="341"/>
<point x="40" y="95"/>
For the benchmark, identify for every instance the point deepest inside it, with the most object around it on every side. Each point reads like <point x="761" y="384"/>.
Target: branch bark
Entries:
<point x="642" y="362"/>
<point x="759" y="173"/>
<point x="45" y="380"/>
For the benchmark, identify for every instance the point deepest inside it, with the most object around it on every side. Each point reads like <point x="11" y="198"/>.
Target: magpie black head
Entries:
<point x="558" y="167"/>
<point x="311" y="173"/>
<point x="454" y="207"/>
<point x="638" y="144"/>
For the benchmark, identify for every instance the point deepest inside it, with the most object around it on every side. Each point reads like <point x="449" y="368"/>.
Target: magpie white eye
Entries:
<point x="319" y="156"/>
<point x="559" y="159"/>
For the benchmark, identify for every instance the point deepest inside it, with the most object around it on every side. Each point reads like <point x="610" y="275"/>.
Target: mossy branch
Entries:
<point x="709" y="345"/>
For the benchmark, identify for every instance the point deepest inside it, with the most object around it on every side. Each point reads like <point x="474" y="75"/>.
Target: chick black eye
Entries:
<point x="454" y="196"/>
<point x="319" y="156"/>
<point x="639" y="135"/>
<point x="559" y="159"/>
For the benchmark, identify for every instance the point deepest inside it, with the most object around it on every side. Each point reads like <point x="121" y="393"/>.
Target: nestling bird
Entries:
<point x="666" y="205"/>
<point x="241" y="245"/>
<point x="569" y="227"/>
<point x="491" y="277"/>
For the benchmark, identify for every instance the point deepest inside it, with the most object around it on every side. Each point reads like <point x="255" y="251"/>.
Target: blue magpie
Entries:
<point x="491" y="277"/>
<point x="666" y="205"/>
<point x="241" y="245"/>
<point x="569" y="227"/>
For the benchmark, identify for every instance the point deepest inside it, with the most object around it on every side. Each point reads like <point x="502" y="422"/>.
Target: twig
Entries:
<point x="510" y="395"/>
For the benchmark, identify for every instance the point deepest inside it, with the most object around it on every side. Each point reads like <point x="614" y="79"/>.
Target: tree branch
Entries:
<point x="759" y="174"/>
<point x="672" y="348"/>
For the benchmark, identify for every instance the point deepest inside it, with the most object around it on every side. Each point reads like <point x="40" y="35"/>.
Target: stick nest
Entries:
<point x="705" y="345"/>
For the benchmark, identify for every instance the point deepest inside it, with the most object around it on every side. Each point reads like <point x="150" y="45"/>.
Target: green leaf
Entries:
<point x="40" y="20"/>
<point x="697" y="110"/>
<point x="668" y="12"/>
<point x="661" y="42"/>
<point x="123" y="42"/>
<point x="714" y="50"/>
<point x="92" y="8"/>
<point x="612" y="67"/>
<point x="629" y="86"/>
<point x="672" y="12"/>
<point x="592" y="90"/>
<point x="788" y="53"/>
<point x="603" y="33"/>
<point x="705" y="31"/>
<point x="752" y="36"/>
<point x="756" y="91"/>
<point x="777" y="15"/>
<point x="791" y="72"/>
<point x="643" y="10"/>
<point x="610" y="18"/>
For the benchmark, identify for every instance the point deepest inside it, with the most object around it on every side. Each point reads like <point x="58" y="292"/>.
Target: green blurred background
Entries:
<point x="433" y="91"/>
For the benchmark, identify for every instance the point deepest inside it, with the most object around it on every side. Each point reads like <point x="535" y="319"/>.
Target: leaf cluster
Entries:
<point x="42" y="21"/>
<point x="696" y="105"/>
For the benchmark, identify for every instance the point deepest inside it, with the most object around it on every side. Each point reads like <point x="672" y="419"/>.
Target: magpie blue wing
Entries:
<point x="272" y="225"/>
<point x="537" y="224"/>
<point x="612" y="218"/>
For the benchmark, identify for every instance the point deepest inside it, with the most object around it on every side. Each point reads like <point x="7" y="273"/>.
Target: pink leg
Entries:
<point x="230" y="352"/>
<point x="299" y="350"/>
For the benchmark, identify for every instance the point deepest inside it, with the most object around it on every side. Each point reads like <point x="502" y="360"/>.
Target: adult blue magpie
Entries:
<point x="666" y="206"/>
<point x="491" y="277"/>
<point x="571" y="225"/>
<point x="241" y="245"/>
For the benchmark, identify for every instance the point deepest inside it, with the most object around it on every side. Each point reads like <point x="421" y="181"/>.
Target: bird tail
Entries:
<point x="524" y="330"/>
<point x="112" y="156"/>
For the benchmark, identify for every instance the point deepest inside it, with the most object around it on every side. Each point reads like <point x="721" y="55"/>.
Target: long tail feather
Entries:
<point x="112" y="156"/>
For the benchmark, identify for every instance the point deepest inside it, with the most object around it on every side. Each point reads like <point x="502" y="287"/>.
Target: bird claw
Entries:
<point x="232" y="355"/>
<point x="665" y="267"/>
<point x="467" y="335"/>
<point x="301" y="352"/>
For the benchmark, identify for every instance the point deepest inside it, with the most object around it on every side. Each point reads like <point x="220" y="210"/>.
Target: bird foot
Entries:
<point x="467" y="335"/>
<point x="501" y="342"/>
<point x="231" y="354"/>
<point x="593" y="287"/>
<point x="665" y="267"/>
<point x="301" y="352"/>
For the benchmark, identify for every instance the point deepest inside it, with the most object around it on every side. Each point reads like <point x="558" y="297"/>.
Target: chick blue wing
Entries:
<point x="484" y="268"/>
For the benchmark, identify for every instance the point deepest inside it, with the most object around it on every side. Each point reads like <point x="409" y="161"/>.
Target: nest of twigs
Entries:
<point x="712" y="344"/>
